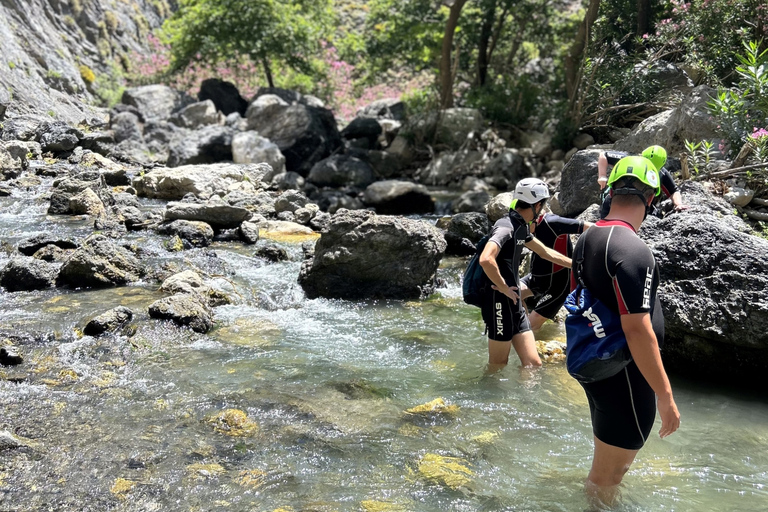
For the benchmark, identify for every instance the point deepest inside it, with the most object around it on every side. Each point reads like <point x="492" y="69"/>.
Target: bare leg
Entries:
<point x="498" y="354"/>
<point x="525" y="346"/>
<point x="609" y="465"/>
<point x="536" y="320"/>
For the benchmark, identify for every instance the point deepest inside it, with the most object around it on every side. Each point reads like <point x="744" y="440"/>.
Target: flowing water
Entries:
<point x="128" y="422"/>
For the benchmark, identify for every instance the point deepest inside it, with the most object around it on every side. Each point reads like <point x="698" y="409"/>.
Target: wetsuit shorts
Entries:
<point x="623" y="408"/>
<point x="549" y="292"/>
<point x="503" y="318"/>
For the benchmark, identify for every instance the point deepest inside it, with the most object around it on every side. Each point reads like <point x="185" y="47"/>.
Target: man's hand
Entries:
<point x="509" y="291"/>
<point x="670" y="416"/>
<point x="680" y="207"/>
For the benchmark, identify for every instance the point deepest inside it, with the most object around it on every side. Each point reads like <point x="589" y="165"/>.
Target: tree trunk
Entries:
<point x="574" y="57"/>
<point x="267" y="71"/>
<point x="643" y="17"/>
<point x="486" y="31"/>
<point x="446" y="77"/>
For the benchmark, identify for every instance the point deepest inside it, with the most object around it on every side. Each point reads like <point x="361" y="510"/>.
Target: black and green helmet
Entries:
<point x="637" y="168"/>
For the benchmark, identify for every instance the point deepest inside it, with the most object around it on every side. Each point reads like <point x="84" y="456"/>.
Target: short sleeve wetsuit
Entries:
<point x="503" y="318"/>
<point x="549" y="282"/>
<point x="668" y="186"/>
<point x="620" y="271"/>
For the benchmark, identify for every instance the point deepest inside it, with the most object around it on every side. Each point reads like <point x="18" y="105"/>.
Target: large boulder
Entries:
<point x="206" y="145"/>
<point x="99" y="263"/>
<point x="392" y="197"/>
<point x="201" y="180"/>
<point x="197" y="115"/>
<point x="184" y="309"/>
<point x="450" y="168"/>
<point x="63" y="190"/>
<point x="713" y="291"/>
<point x="250" y="147"/>
<point x="108" y="321"/>
<point x="23" y="273"/>
<point x="192" y="233"/>
<point x="578" y="183"/>
<point x="505" y="170"/>
<point x="57" y="136"/>
<point x="304" y="134"/>
<point x="342" y="171"/>
<point x="155" y="102"/>
<point x="690" y="120"/>
<point x="363" y="255"/>
<point x="224" y="96"/>
<point x="464" y="230"/>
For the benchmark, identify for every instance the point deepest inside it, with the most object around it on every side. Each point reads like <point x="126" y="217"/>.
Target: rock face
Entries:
<point x="714" y="290"/>
<point x="463" y="232"/>
<point x="99" y="263"/>
<point x="54" y="52"/>
<point x="363" y="255"/>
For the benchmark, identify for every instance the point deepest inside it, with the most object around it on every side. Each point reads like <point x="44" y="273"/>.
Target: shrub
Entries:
<point x="87" y="74"/>
<point x="111" y="21"/>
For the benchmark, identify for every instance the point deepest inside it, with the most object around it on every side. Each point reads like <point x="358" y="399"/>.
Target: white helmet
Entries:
<point x="531" y="190"/>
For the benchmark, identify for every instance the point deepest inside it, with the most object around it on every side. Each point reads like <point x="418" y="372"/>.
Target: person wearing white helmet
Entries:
<point x="503" y="312"/>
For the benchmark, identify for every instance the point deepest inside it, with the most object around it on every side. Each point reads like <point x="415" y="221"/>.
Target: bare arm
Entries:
<point x="645" y="351"/>
<point x="602" y="170"/>
<point x="491" y="269"/>
<point x="549" y="254"/>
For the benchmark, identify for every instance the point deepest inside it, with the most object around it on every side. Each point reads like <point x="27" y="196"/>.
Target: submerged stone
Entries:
<point x="436" y="406"/>
<point x="233" y="422"/>
<point x="448" y="471"/>
<point x="122" y="487"/>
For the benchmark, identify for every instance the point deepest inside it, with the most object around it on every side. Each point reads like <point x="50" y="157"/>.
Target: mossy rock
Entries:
<point x="233" y="422"/>
<point x="436" y="406"/>
<point x="122" y="487"/>
<point x="448" y="471"/>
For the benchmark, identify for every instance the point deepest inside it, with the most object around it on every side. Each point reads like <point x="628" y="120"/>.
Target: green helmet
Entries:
<point x="637" y="168"/>
<point x="657" y="155"/>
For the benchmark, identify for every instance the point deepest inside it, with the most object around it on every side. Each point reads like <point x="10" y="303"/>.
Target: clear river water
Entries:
<point x="128" y="423"/>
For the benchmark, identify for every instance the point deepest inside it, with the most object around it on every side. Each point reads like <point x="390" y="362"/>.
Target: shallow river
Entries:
<point x="128" y="423"/>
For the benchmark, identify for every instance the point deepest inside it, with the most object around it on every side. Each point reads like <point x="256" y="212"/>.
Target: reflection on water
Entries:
<point x="130" y="423"/>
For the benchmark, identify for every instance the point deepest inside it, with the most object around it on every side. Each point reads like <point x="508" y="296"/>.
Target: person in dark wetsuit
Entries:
<point x="547" y="285"/>
<point x="503" y="313"/>
<point x="658" y="156"/>
<point x="620" y="270"/>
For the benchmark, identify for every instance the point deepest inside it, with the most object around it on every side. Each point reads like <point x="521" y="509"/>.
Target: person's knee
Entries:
<point x="608" y="476"/>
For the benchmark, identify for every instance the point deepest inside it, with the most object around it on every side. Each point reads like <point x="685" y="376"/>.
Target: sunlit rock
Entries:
<point x="184" y="309"/>
<point x="448" y="471"/>
<point x="122" y="487"/>
<point x="436" y="406"/>
<point x="233" y="422"/>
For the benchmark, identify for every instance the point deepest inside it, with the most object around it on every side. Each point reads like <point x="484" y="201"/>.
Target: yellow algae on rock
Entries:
<point x="253" y="478"/>
<point x="551" y="351"/>
<point x="448" y="471"/>
<point x="485" y="438"/>
<point x="380" y="506"/>
<point x="436" y="406"/>
<point x="122" y="487"/>
<point x="409" y="430"/>
<point x="202" y="471"/>
<point x="68" y="375"/>
<point x="233" y="422"/>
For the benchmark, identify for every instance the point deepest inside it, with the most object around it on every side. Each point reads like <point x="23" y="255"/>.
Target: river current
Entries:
<point x="129" y="422"/>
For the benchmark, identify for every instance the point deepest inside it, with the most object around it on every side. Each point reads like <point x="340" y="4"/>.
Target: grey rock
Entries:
<point x="192" y="233"/>
<point x="341" y="171"/>
<point x="578" y="183"/>
<point x="392" y="197"/>
<point x="464" y="230"/>
<point x="184" y="309"/>
<point x="217" y="214"/>
<point x="108" y="321"/>
<point x="10" y="356"/>
<point x="472" y="201"/>
<point x="271" y="251"/>
<point x="197" y="115"/>
<point x="249" y="232"/>
<point x="30" y="246"/>
<point x="206" y="145"/>
<point x="250" y="147"/>
<point x="99" y="263"/>
<point x="155" y="102"/>
<point x="126" y="126"/>
<point x="362" y="255"/>
<point x="25" y="274"/>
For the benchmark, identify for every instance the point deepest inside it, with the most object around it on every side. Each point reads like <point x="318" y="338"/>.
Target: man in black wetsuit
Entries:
<point x="548" y="284"/>
<point x="620" y="270"/>
<point x="658" y="156"/>
<point x="503" y="313"/>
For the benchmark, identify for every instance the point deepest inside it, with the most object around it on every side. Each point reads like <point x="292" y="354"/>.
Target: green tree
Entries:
<point x="286" y="31"/>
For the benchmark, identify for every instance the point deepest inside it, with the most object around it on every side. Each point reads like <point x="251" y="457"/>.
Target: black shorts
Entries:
<point x="503" y="318"/>
<point x="623" y="408"/>
<point x="549" y="292"/>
